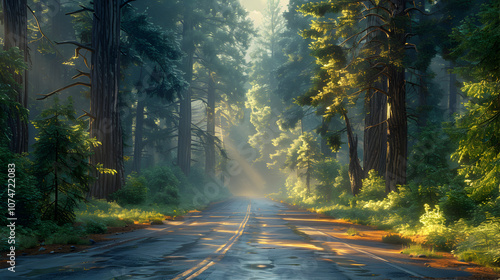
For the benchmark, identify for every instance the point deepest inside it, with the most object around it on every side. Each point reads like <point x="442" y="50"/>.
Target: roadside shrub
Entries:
<point x="325" y="172"/>
<point x="26" y="241"/>
<point x="163" y="185"/>
<point x="46" y="229"/>
<point x="397" y="239"/>
<point x="67" y="234"/>
<point x="482" y="244"/>
<point x="343" y="186"/>
<point x="432" y="220"/>
<point x="27" y="194"/>
<point x="456" y="204"/>
<point x="93" y="226"/>
<point x="418" y="249"/>
<point x="373" y="187"/>
<point x="134" y="192"/>
<point x="444" y="240"/>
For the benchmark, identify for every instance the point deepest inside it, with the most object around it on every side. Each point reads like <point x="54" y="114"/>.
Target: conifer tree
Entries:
<point x="352" y="60"/>
<point x="61" y="154"/>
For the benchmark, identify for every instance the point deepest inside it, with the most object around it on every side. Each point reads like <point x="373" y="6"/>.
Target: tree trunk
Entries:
<point x="325" y="150"/>
<point x="308" y="178"/>
<point x="15" y="31"/>
<point x="210" y="145"/>
<point x="355" y="170"/>
<point x="375" y="135"/>
<point x="138" y="135"/>
<point x="105" y="71"/>
<point x="452" y="100"/>
<point x="423" y="110"/>
<point x="397" y="131"/>
<point x="184" y="137"/>
<point x="397" y="128"/>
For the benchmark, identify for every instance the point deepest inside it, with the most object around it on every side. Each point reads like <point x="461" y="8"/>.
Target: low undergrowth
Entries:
<point x="417" y="250"/>
<point x="441" y="218"/>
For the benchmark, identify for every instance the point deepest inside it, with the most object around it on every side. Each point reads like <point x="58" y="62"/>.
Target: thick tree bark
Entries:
<point x="356" y="174"/>
<point x="210" y="145"/>
<point x="397" y="128"/>
<point x="15" y="30"/>
<point x="397" y="131"/>
<point x="138" y="135"/>
<point x="105" y="71"/>
<point x="184" y="137"/>
<point x="375" y="134"/>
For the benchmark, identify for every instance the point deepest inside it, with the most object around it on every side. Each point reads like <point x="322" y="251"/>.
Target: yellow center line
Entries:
<point x="211" y="260"/>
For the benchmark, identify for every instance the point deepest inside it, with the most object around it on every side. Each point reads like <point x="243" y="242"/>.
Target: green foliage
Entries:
<point x="148" y="43"/>
<point x="393" y="238"/>
<point x="352" y="231"/>
<point x="479" y="152"/>
<point x="61" y="161"/>
<point x="112" y="214"/>
<point x="373" y="187"/>
<point x="163" y="185"/>
<point x="46" y="229"/>
<point x="482" y="244"/>
<point x="67" y="234"/>
<point x="93" y="226"/>
<point x="418" y="249"/>
<point x="10" y="60"/>
<point x="456" y="204"/>
<point x="26" y="193"/>
<point x="432" y="220"/>
<point x="343" y="185"/>
<point x="325" y="173"/>
<point x="430" y="156"/>
<point x="134" y="192"/>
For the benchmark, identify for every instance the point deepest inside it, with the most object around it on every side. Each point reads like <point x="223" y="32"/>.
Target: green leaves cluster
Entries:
<point x="11" y="59"/>
<point x="479" y="153"/>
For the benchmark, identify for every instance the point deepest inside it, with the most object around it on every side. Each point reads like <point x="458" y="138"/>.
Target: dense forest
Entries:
<point x="384" y="113"/>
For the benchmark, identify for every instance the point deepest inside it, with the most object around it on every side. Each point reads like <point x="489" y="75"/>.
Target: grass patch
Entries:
<point x="62" y="238"/>
<point x="418" y="250"/>
<point x="27" y="241"/>
<point x="352" y="231"/>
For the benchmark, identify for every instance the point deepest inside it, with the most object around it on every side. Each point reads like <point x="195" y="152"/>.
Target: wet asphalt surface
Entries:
<point x="241" y="238"/>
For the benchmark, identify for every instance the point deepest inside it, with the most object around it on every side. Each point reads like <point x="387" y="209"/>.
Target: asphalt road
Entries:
<point x="240" y="238"/>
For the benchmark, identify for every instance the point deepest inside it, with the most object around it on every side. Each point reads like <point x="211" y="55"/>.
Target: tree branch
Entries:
<point x="416" y="9"/>
<point x="41" y="32"/>
<point x="80" y="74"/>
<point x="63" y="88"/>
<point x="87" y="114"/>
<point x="374" y="15"/>
<point x="80" y="45"/>
<point x="410" y="45"/>
<point x="372" y="126"/>
<point x="83" y="9"/>
<point x="125" y="3"/>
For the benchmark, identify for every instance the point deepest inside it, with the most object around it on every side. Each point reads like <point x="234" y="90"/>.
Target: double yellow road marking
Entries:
<point x="218" y="254"/>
